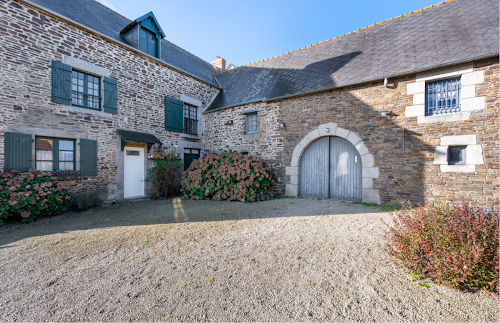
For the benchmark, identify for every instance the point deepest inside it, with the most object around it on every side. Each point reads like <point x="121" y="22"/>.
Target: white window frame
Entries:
<point x="473" y="154"/>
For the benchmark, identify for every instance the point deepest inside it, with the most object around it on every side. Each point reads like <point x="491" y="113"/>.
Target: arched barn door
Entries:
<point x="331" y="167"/>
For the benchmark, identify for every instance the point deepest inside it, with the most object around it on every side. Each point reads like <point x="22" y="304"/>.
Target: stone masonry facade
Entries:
<point x="403" y="154"/>
<point x="401" y="148"/>
<point x="31" y="39"/>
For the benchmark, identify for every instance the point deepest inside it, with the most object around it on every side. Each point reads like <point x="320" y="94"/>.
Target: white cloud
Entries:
<point x="108" y="4"/>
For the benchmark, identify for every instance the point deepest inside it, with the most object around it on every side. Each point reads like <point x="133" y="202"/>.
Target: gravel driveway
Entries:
<point x="177" y="260"/>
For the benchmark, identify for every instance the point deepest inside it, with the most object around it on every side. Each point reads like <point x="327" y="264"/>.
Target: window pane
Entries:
<point x="65" y="156"/>
<point x="66" y="166"/>
<point x="457" y="155"/>
<point x="44" y="155"/>
<point x="442" y="97"/>
<point x="45" y="166"/>
<point x="65" y="145"/>
<point x="42" y="143"/>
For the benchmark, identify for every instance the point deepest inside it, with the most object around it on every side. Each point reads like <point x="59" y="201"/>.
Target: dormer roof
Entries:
<point x="148" y="21"/>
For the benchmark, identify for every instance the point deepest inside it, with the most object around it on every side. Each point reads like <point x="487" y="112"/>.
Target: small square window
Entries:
<point x="442" y="97"/>
<point x="456" y="155"/>
<point x="252" y="123"/>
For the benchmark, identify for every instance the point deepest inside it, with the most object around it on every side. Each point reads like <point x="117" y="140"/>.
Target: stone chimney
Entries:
<point x="220" y="64"/>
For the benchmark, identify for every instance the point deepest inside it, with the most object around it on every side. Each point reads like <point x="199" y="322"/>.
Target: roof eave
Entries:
<point x="468" y="60"/>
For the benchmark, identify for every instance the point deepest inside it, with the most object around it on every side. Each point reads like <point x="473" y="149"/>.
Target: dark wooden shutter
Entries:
<point x="174" y="119"/>
<point x="88" y="157"/>
<point x="17" y="151"/>
<point x="110" y="95"/>
<point x="61" y="83"/>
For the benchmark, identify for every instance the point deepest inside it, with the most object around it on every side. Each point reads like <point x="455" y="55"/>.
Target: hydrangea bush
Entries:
<point x="456" y="245"/>
<point x="227" y="176"/>
<point x="24" y="196"/>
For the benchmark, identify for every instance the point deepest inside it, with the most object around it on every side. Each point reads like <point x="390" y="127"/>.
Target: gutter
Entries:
<point x="381" y="78"/>
<point x="133" y="49"/>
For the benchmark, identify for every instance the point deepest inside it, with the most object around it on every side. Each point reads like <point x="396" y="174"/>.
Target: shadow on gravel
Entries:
<point x="151" y="212"/>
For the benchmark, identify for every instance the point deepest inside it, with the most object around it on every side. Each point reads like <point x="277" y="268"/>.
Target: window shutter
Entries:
<point x="17" y="151"/>
<point x="61" y="83"/>
<point x="110" y="95"/>
<point x="174" y="119"/>
<point x="88" y="157"/>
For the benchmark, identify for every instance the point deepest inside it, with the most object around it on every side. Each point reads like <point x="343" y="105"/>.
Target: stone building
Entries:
<point x="405" y="109"/>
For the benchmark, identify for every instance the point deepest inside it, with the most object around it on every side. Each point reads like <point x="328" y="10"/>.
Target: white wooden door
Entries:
<point x="133" y="172"/>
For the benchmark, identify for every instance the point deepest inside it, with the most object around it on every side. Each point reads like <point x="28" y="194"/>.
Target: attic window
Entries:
<point x="148" y="42"/>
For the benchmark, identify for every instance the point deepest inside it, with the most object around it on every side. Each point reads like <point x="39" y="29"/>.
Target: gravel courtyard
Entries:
<point x="178" y="260"/>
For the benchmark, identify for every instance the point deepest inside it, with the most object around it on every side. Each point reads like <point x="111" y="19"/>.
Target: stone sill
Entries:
<point x="460" y="116"/>
<point x="188" y="136"/>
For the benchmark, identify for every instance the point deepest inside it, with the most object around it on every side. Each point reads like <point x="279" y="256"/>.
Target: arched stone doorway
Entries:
<point x="330" y="167"/>
<point x="368" y="171"/>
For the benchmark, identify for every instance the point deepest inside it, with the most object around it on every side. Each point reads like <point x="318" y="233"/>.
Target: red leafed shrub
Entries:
<point x="24" y="196"/>
<point x="227" y="176"/>
<point x="453" y="245"/>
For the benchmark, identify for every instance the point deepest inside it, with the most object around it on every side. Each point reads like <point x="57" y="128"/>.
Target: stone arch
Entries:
<point x="369" y="171"/>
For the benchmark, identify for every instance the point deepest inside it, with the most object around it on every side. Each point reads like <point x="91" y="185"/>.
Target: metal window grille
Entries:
<point x="442" y="97"/>
<point x="86" y="90"/>
<point x="190" y="119"/>
<point x="252" y="123"/>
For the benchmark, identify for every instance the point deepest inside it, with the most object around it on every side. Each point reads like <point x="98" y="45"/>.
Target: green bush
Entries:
<point x="453" y="245"/>
<point x="82" y="202"/>
<point x="24" y="196"/>
<point x="227" y="176"/>
<point x="165" y="175"/>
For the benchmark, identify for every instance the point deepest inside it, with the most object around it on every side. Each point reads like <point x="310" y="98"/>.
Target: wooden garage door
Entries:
<point x="331" y="167"/>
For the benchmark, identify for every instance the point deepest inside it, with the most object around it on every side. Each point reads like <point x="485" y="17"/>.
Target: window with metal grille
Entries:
<point x="190" y="119"/>
<point x="252" y="123"/>
<point x="86" y="90"/>
<point x="54" y="154"/>
<point x="442" y="97"/>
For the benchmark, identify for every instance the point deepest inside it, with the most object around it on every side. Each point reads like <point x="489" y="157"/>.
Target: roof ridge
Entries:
<point x="201" y="59"/>
<point x="351" y="32"/>
<point x="110" y="9"/>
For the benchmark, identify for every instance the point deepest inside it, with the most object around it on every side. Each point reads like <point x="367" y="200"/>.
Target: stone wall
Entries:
<point x="31" y="39"/>
<point x="403" y="149"/>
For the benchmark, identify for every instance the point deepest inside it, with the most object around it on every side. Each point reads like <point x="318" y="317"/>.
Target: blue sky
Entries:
<point x="243" y="32"/>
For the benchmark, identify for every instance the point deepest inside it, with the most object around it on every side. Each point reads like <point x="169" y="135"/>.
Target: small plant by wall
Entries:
<point x="227" y="176"/>
<point x="82" y="202"/>
<point x="165" y="175"/>
<point x="25" y="196"/>
<point x="453" y="245"/>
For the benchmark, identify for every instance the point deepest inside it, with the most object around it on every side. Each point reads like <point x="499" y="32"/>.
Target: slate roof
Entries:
<point x="108" y="22"/>
<point x="443" y="34"/>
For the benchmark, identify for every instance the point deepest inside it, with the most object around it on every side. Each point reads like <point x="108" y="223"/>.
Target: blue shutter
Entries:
<point x="61" y="83"/>
<point x="143" y="40"/>
<point x="174" y="119"/>
<point x="88" y="157"/>
<point x="17" y="151"/>
<point x="110" y="95"/>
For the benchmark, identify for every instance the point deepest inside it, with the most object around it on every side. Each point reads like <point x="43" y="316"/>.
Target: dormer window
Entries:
<point x="148" y="42"/>
<point x="145" y="34"/>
